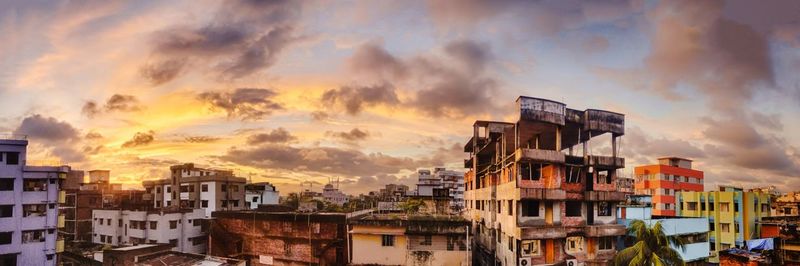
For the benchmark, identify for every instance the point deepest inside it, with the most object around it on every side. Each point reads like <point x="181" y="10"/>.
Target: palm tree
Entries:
<point x="652" y="247"/>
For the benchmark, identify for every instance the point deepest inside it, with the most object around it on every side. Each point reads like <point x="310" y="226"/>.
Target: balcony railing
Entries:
<point x="8" y="136"/>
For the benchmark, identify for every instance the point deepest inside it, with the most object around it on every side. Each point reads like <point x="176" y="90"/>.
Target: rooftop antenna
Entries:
<point x="250" y="178"/>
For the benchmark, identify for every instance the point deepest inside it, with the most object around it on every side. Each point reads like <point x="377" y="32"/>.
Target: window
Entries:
<point x="6" y="211"/>
<point x="173" y="224"/>
<point x="530" y="171"/>
<point x="573" y="208"/>
<point x="427" y="240"/>
<point x="510" y="243"/>
<point x="12" y="158"/>
<point x="711" y="226"/>
<point x="108" y="221"/>
<point x="184" y="188"/>
<point x="169" y="189"/>
<point x="711" y="206"/>
<point x="725" y="246"/>
<point x="724" y="207"/>
<point x="153" y="225"/>
<point x="712" y="246"/>
<point x="34" y="210"/>
<point x="692" y="206"/>
<point x="604" y="208"/>
<point x="573" y="174"/>
<point x="736" y="206"/>
<point x="387" y="240"/>
<point x="575" y="244"/>
<point x="224" y="203"/>
<point x="5" y="238"/>
<point x="603" y="177"/>
<point x="204" y="203"/>
<point x="530" y="208"/>
<point x="764" y="207"/>
<point x="34" y="185"/>
<point x="6" y="184"/>
<point x="530" y="248"/>
<point x="33" y="236"/>
<point x="606" y="243"/>
<point x="726" y="227"/>
<point x="158" y="190"/>
<point x="173" y="242"/>
<point x="204" y="187"/>
<point x="224" y="187"/>
<point x="510" y="207"/>
<point x="197" y="222"/>
<point x="736" y="227"/>
<point x="119" y="222"/>
<point x="702" y="206"/>
<point x="235" y="203"/>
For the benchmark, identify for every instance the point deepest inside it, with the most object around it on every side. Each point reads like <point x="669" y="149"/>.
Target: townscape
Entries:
<point x="533" y="194"/>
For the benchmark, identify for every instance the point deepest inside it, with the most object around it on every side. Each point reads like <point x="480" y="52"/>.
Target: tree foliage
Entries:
<point x="652" y="247"/>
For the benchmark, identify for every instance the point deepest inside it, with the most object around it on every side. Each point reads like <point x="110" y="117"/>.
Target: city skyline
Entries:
<point x="306" y="91"/>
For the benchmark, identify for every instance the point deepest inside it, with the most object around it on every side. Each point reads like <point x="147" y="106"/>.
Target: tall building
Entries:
<point x="664" y="180"/>
<point x="693" y="231"/>
<point x="426" y="182"/>
<point x="194" y="187"/>
<point x="535" y="191"/>
<point x="392" y="192"/>
<point x="182" y="228"/>
<point x="260" y="193"/>
<point x="732" y="215"/>
<point x="29" y="206"/>
<point x="442" y="179"/>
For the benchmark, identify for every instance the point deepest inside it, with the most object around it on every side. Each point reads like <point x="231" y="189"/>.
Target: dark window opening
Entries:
<point x="573" y="208"/>
<point x="573" y="174"/>
<point x="6" y="184"/>
<point x="604" y="209"/>
<point x="530" y="208"/>
<point x="5" y="238"/>
<point x="603" y="177"/>
<point x="6" y="211"/>
<point x="530" y="171"/>
<point x="12" y="158"/>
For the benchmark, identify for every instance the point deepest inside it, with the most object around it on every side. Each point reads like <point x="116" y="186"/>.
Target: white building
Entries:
<point x="29" y="199"/>
<point x="191" y="187"/>
<point x="182" y="228"/>
<point x="333" y="195"/>
<point x="442" y="178"/>
<point x="426" y="183"/>
<point x="260" y="193"/>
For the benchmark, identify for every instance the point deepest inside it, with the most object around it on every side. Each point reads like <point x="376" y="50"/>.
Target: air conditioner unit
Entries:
<point x="524" y="261"/>
<point x="572" y="262"/>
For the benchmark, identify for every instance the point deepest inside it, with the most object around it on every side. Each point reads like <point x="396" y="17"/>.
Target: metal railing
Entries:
<point x="10" y="136"/>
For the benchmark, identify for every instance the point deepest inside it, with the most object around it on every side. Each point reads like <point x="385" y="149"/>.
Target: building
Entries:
<point x="193" y="187"/>
<point x="74" y="180"/>
<point x="279" y="238"/>
<point x="392" y="193"/>
<point x="333" y="195"/>
<point x="427" y="182"/>
<point x="536" y="193"/>
<point x="182" y="228"/>
<point x="786" y="205"/>
<point x="151" y="254"/>
<point x="665" y="179"/>
<point x="453" y="181"/>
<point x="784" y="229"/>
<point x="260" y="193"/>
<point x="420" y="239"/>
<point x="732" y="215"/>
<point x="693" y="231"/>
<point x="29" y="202"/>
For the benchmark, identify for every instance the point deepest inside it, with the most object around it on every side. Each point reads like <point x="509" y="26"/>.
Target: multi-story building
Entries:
<point x="732" y="215"/>
<point x="182" y="228"/>
<point x="333" y="195"/>
<point x="532" y="197"/>
<point x="442" y="179"/>
<point x="418" y="239"/>
<point x="392" y="192"/>
<point x="426" y="182"/>
<point x="279" y="238"/>
<point x="193" y="187"/>
<point x="693" y="231"/>
<point x="260" y="193"/>
<point x="784" y="230"/>
<point x="786" y="205"/>
<point x="663" y="180"/>
<point x="29" y="206"/>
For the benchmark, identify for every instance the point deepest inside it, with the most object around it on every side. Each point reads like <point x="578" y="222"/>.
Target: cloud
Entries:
<point x="140" y="139"/>
<point x="57" y="137"/>
<point x="740" y="144"/>
<point x="243" y="38"/>
<point x="371" y="57"/>
<point x="93" y="136"/>
<point x="278" y="135"/>
<point x="319" y="115"/>
<point x="354" y="99"/>
<point x="90" y="109"/>
<point x="201" y="139"/>
<point x="638" y="144"/>
<point x="354" y="135"/>
<point x="244" y="103"/>
<point x="115" y="103"/>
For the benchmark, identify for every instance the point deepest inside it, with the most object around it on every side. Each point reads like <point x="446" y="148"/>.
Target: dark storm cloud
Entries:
<point x="354" y="135"/>
<point x="244" y="103"/>
<point x="244" y="37"/>
<point x="740" y="144"/>
<point x="115" y="103"/>
<point x="354" y="98"/>
<point x="278" y="135"/>
<point x="140" y="139"/>
<point x="372" y="57"/>
<point x="59" y="137"/>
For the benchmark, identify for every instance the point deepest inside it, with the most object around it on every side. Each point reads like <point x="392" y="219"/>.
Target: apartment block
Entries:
<point x="784" y="229"/>
<point x="184" y="229"/>
<point x="732" y="215"/>
<point x="693" y="231"/>
<point x="786" y="205"/>
<point x="442" y="179"/>
<point x="664" y="180"/>
<point x="261" y="193"/>
<point x="194" y="187"/>
<point x="29" y="206"/>
<point x="418" y="239"/>
<point x="536" y="192"/>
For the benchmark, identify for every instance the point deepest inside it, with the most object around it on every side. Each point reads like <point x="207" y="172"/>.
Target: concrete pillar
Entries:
<point x="558" y="138"/>
<point x="614" y="145"/>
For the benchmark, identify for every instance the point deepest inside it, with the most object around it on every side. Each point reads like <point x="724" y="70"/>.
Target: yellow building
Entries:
<point x="732" y="215"/>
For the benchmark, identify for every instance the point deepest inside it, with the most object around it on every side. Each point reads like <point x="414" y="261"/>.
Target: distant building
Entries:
<point x="333" y="195"/>
<point x="693" y="231"/>
<point x="29" y="206"/>
<point x="664" y="180"/>
<point x="427" y="182"/>
<point x="195" y="187"/>
<point x="786" y="205"/>
<point x="182" y="228"/>
<point x="392" y="192"/>
<point x="786" y="232"/>
<point x="155" y="255"/>
<point x="279" y="238"/>
<point x="732" y="215"/>
<point x="260" y="193"/>
<point x="423" y="239"/>
<point x="442" y="179"/>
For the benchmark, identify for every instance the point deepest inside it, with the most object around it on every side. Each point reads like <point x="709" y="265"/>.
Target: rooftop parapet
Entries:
<point x="604" y="121"/>
<point x="543" y="110"/>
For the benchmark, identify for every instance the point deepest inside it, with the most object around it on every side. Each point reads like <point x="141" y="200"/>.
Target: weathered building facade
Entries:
<point x="195" y="187"/>
<point x="664" y="180"/>
<point x="536" y="192"/>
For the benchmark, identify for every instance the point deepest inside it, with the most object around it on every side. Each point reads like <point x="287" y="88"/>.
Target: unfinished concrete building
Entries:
<point x="536" y="194"/>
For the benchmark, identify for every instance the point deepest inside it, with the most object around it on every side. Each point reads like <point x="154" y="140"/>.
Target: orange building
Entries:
<point x="663" y="180"/>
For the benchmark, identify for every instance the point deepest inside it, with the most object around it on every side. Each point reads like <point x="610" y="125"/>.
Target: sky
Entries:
<point x="367" y="92"/>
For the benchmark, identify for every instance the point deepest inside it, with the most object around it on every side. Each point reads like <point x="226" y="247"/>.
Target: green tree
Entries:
<point x="411" y="205"/>
<point x="652" y="247"/>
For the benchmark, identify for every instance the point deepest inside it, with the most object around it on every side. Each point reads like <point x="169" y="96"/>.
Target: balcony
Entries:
<point x="604" y="196"/>
<point x="147" y="196"/>
<point x="542" y="193"/>
<point x="61" y="221"/>
<point x="62" y="197"/>
<point x="541" y="110"/>
<point x="604" y="121"/>
<point x="547" y="156"/>
<point x="606" y="161"/>
<point x="605" y="230"/>
<point x="59" y="245"/>
<point x="543" y="232"/>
